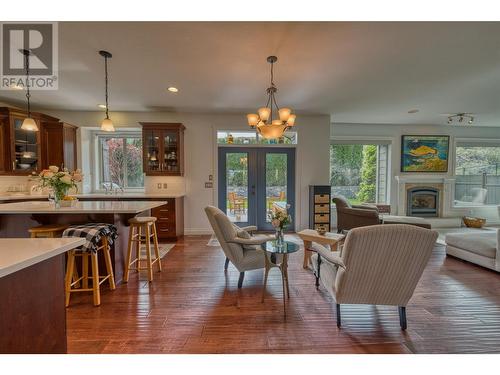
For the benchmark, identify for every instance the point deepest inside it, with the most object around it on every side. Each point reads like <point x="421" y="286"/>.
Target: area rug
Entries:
<point x="164" y="249"/>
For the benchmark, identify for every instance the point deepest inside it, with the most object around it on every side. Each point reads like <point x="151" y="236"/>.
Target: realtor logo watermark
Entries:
<point x="41" y="39"/>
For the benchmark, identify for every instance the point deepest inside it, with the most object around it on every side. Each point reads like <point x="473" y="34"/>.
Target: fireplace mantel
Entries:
<point x="448" y="185"/>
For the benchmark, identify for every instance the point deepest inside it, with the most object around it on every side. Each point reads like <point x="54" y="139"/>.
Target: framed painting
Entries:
<point x="425" y="153"/>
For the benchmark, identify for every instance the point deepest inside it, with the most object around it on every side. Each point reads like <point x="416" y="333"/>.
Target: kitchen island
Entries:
<point x="33" y="316"/>
<point x="17" y="218"/>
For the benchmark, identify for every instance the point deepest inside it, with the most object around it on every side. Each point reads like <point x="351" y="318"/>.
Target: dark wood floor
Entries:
<point x="193" y="307"/>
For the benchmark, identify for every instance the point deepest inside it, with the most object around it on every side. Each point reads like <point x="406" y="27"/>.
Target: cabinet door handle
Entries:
<point x="163" y="230"/>
<point x="13" y="165"/>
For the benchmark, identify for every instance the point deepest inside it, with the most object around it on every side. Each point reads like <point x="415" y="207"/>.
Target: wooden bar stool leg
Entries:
<point x="95" y="279"/>
<point x="157" y="249"/>
<point x="75" y="274"/>
<point x="148" y="253"/>
<point x="109" y="265"/>
<point x="129" y="253"/>
<point x="69" y="274"/>
<point x="138" y="247"/>
<point x="85" y="270"/>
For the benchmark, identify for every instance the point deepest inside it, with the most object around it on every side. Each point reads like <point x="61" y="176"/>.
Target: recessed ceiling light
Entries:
<point x="103" y="106"/>
<point x="173" y="89"/>
<point x="414" y="110"/>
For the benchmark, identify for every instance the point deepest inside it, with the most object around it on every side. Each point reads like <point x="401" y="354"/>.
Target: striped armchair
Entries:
<point x="379" y="265"/>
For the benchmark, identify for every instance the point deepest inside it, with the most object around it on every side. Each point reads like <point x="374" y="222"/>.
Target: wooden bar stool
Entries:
<point x="48" y="231"/>
<point x="52" y="231"/>
<point x="89" y="254"/>
<point x="141" y="230"/>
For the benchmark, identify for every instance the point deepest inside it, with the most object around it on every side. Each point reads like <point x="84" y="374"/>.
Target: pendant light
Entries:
<point x="106" y="124"/>
<point x="263" y="121"/>
<point x="28" y="123"/>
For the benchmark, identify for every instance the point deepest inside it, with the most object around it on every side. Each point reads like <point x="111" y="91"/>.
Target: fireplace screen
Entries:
<point x="423" y="202"/>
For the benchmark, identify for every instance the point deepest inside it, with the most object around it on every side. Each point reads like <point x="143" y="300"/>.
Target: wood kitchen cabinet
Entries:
<point x="59" y="145"/>
<point x="23" y="152"/>
<point x="170" y="219"/>
<point x="163" y="148"/>
<point x="21" y="149"/>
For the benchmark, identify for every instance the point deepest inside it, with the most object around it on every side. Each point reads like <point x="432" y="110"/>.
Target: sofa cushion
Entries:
<point x="478" y="243"/>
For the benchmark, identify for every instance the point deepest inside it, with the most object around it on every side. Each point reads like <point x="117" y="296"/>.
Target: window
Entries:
<point x="251" y="137"/>
<point x="120" y="161"/>
<point x="358" y="171"/>
<point x="477" y="173"/>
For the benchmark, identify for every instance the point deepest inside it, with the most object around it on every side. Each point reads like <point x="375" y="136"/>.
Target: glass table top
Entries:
<point x="284" y="248"/>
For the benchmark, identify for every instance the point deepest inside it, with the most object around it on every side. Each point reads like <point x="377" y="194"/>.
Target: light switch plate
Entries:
<point x="158" y="185"/>
<point x="164" y="185"/>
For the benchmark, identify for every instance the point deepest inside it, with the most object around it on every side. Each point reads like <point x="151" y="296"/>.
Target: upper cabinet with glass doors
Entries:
<point x="23" y="151"/>
<point x="163" y="148"/>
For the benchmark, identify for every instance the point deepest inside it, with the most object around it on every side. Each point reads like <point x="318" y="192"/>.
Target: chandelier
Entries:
<point x="263" y="121"/>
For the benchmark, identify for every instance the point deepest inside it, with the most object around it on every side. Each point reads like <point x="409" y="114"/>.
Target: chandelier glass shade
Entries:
<point x="263" y="121"/>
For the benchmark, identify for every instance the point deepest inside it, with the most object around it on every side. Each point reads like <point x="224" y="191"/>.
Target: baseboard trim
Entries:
<point x="197" y="232"/>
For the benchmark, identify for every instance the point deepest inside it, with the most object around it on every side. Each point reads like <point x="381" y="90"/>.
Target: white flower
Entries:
<point x="48" y="174"/>
<point x="53" y="168"/>
<point x="66" y="179"/>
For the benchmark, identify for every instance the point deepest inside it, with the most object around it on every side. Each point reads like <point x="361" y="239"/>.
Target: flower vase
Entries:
<point x="280" y="236"/>
<point x="59" y="195"/>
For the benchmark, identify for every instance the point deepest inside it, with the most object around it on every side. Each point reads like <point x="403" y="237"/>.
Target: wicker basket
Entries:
<point x="473" y="222"/>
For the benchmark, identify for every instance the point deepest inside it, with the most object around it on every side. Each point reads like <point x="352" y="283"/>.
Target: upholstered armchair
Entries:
<point x="378" y="265"/>
<point x="241" y="249"/>
<point x="354" y="216"/>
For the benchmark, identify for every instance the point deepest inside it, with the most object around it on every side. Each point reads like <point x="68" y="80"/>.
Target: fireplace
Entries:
<point x="423" y="201"/>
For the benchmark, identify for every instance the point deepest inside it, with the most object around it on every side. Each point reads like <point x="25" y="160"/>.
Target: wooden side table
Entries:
<point x="309" y="236"/>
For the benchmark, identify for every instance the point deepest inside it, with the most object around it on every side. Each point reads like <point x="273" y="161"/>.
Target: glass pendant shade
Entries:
<point x="29" y="124"/>
<point x="264" y="113"/>
<point x="291" y="120"/>
<point x="272" y="131"/>
<point x="284" y="114"/>
<point x="277" y="122"/>
<point x="253" y="119"/>
<point x="107" y="125"/>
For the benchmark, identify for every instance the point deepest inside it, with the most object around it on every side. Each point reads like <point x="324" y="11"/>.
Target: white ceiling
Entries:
<point x="368" y="72"/>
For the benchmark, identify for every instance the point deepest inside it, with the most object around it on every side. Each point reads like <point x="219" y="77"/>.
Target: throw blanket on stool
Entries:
<point x="92" y="232"/>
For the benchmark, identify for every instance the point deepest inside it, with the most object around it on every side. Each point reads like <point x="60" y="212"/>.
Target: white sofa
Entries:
<point x="479" y="248"/>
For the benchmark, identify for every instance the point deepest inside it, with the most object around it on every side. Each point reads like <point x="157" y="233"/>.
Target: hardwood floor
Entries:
<point x="193" y="307"/>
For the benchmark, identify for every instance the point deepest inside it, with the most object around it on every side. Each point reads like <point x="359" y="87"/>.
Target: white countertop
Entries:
<point x="102" y="207"/>
<point x="19" y="253"/>
<point x="20" y="196"/>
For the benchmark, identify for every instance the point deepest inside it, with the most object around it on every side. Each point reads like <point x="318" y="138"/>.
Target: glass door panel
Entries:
<point x="171" y="151"/>
<point x="276" y="187"/>
<point x="153" y="156"/>
<point x="237" y="186"/>
<point x="276" y="182"/>
<point x="25" y="148"/>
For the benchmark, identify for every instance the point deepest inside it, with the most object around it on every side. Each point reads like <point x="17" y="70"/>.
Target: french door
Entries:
<point x="252" y="180"/>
